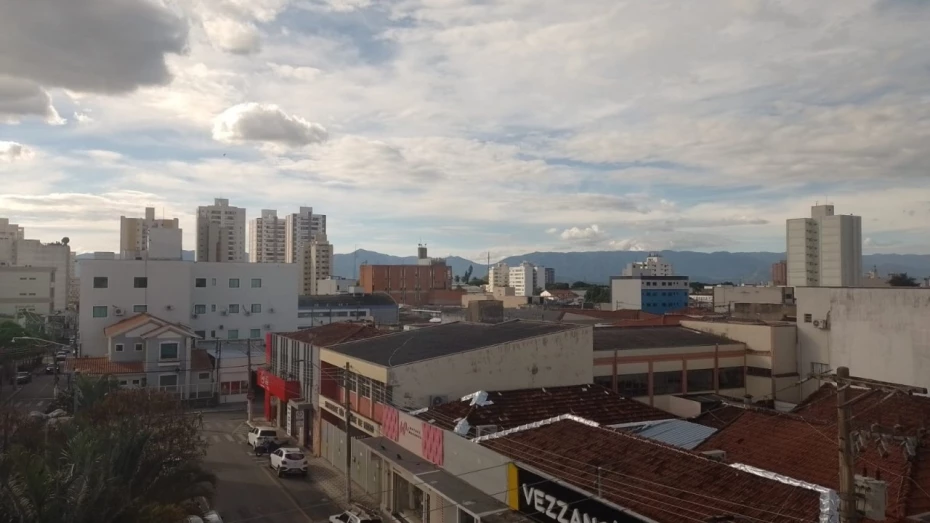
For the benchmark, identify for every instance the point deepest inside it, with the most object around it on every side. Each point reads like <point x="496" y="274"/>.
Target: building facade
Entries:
<point x="654" y="265"/>
<point x="824" y="250"/>
<point x="316" y="264"/>
<point x="727" y="298"/>
<point x="267" y="238"/>
<point x="337" y="285"/>
<point x="498" y="276"/>
<point x="429" y="281"/>
<point x="216" y="300"/>
<point x="221" y="232"/>
<point x="134" y="232"/>
<point x="526" y="278"/>
<point x="26" y="290"/>
<point x="57" y="255"/>
<point x="378" y="308"/>
<point x="780" y="273"/>
<point x="653" y="294"/>
<point x="301" y="228"/>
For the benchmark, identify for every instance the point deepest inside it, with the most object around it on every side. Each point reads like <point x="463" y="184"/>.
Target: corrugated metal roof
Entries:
<point x="675" y="432"/>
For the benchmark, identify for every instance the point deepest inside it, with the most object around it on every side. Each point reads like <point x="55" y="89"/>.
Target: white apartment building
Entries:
<point x="824" y="250"/>
<point x="267" y="236"/>
<point x="220" y="232"/>
<point x="301" y="228"/>
<point x="317" y="264"/>
<point x="215" y="300"/>
<point x="134" y="232"/>
<point x="526" y="278"/>
<point x="57" y="255"/>
<point x="498" y="276"/>
<point x="654" y="265"/>
<point x="26" y="289"/>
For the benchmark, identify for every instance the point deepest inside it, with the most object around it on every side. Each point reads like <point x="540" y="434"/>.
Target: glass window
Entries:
<point x="168" y="351"/>
<point x="139" y="346"/>
<point x="118" y="347"/>
<point x="732" y="378"/>
<point x="256" y="307"/>
<point x="234" y="283"/>
<point x="212" y="307"/>
<point x="666" y="382"/>
<point x="200" y="282"/>
<point x="233" y="308"/>
<point x="364" y="386"/>
<point x="233" y="334"/>
<point x="168" y="380"/>
<point x="201" y="334"/>
<point x="200" y="309"/>
<point x="204" y="375"/>
<point x="255" y="333"/>
<point x="256" y="283"/>
<point x="633" y="384"/>
<point x="759" y="372"/>
<point x="234" y="387"/>
<point x="700" y="379"/>
<point x="808" y="318"/>
<point x="100" y="311"/>
<point x="140" y="282"/>
<point x="101" y="282"/>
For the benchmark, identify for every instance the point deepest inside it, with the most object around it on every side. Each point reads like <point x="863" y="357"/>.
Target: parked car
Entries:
<point x="61" y="357"/>
<point x="51" y="368"/>
<point x="23" y="377"/>
<point x="289" y="460"/>
<point x="355" y="515"/>
<point x="267" y="447"/>
<point x="259" y="435"/>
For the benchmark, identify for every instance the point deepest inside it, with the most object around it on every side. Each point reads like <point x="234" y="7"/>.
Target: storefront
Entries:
<point x="278" y="392"/>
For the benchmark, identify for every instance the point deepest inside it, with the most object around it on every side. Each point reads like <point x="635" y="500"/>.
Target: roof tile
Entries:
<point x="103" y="366"/>
<point x="334" y="333"/>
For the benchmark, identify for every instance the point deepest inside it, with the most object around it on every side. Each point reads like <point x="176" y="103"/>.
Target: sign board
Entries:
<point x="289" y="428"/>
<point x="358" y="422"/>
<point x="410" y="433"/>
<point x="546" y="501"/>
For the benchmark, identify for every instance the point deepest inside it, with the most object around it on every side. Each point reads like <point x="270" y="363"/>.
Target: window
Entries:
<point x="201" y="334"/>
<point x="256" y="283"/>
<point x="364" y="386"/>
<point x="212" y="307"/>
<point x="100" y="311"/>
<point x="234" y="283"/>
<point x="213" y="334"/>
<point x="808" y="318"/>
<point x="700" y="379"/>
<point x="633" y="384"/>
<point x="232" y="334"/>
<point x="666" y="382"/>
<point x="168" y="351"/>
<point x="200" y="282"/>
<point x="118" y="347"/>
<point x="140" y="308"/>
<point x="256" y="307"/>
<point x="819" y="368"/>
<point x="122" y="383"/>
<point x="135" y="382"/>
<point x="213" y="282"/>
<point x="140" y="282"/>
<point x="759" y="372"/>
<point x="101" y="282"/>
<point x="732" y="378"/>
<point x="255" y="334"/>
<point x="200" y="309"/>
<point x="138" y="346"/>
<point x="233" y="308"/>
<point x="204" y="375"/>
<point x="168" y="380"/>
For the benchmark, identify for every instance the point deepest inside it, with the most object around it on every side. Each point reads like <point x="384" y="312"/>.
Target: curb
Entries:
<point x="9" y="398"/>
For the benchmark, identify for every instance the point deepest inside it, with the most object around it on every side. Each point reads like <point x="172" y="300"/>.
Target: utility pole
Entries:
<point x="219" y="366"/>
<point x="348" y="423"/>
<point x="847" y="492"/>
<point x="251" y="395"/>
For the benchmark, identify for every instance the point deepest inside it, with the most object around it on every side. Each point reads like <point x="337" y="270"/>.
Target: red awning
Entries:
<point x="276" y="386"/>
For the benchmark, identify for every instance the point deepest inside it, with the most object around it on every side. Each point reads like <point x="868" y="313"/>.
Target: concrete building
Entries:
<point x="267" y="238"/>
<point x="824" y="250"/>
<point x="547" y="275"/>
<point x="498" y="276"/>
<point x="780" y="273"/>
<point x="26" y="290"/>
<point x="427" y="282"/>
<point x="729" y="299"/>
<point x="654" y="265"/>
<point x="301" y="228"/>
<point x="878" y="333"/>
<point x="9" y="233"/>
<point x="653" y="294"/>
<point x="337" y="285"/>
<point x="526" y="278"/>
<point x="378" y="308"/>
<point x="316" y="264"/>
<point x="231" y="360"/>
<point x="221" y="232"/>
<point x="57" y="255"/>
<point x="216" y="300"/>
<point x="134" y="232"/>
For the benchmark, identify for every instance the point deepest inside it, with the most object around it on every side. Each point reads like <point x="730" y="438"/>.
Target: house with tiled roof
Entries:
<point x="144" y="350"/>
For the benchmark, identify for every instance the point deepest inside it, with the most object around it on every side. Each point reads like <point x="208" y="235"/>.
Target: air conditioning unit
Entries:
<point x="871" y="495"/>
<point x="435" y="401"/>
<point x="271" y="310"/>
<point x="223" y="313"/>
<point x="221" y="327"/>
<point x="267" y="326"/>
<point x="169" y="307"/>
<point x="717" y="455"/>
<point x="117" y="311"/>
<point x="194" y="315"/>
<point x="484" y="430"/>
<point x="822" y="324"/>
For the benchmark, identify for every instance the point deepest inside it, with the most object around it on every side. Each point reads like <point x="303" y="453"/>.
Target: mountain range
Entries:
<point x="599" y="266"/>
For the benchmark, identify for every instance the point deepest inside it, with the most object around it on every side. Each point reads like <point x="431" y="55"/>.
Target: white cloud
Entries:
<point x="266" y="123"/>
<point x="587" y="235"/>
<point x="233" y="36"/>
<point x="14" y="152"/>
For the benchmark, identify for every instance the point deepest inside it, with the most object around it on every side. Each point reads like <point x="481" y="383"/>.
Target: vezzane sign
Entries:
<point x="549" y="502"/>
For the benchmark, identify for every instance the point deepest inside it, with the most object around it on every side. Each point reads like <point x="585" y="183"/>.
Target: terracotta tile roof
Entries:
<point x="564" y="294"/>
<point x="718" y="417"/>
<point x="910" y="412"/>
<point x="334" y="333"/>
<point x="103" y="366"/>
<point x="200" y="360"/>
<point x="805" y="449"/>
<point x="655" y="480"/>
<point x="138" y="320"/>
<point x="512" y="408"/>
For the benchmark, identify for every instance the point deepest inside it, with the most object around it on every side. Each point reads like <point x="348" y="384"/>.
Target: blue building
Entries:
<point x="653" y="294"/>
<point x="379" y="308"/>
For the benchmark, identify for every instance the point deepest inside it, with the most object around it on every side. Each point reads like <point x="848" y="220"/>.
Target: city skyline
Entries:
<point x="590" y="126"/>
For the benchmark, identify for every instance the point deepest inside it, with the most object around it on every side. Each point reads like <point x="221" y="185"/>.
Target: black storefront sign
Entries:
<point x="548" y="502"/>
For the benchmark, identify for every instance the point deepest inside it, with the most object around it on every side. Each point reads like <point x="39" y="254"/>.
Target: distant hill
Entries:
<point x="599" y="266"/>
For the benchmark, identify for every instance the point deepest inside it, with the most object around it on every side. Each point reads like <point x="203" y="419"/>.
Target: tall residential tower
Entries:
<point x="134" y="234"/>
<point x="221" y="232"/>
<point x="824" y="250"/>
<point x="266" y="238"/>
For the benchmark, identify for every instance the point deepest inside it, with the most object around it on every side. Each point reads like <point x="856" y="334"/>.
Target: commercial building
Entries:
<point x="26" y="290"/>
<point x="429" y="281"/>
<point x="267" y="235"/>
<point x="654" y="265"/>
<point x="235" y="363"/>
<point x="216" y="300"/>
<point x="879" y="333"/>
<point x="134" y="233"/>
<point x="653" y="294"/>
<point x="780" y="273"/>
<point x="378" y="308"/>
<point x="221" y="232"/>
<point x="750" y="302"/>
<point x="824" y="250"/>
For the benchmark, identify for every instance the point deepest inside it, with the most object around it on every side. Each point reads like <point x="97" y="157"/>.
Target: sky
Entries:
<point x="474" y="126"/>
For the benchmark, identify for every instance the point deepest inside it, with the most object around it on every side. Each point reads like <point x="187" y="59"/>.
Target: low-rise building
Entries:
<point x="752" y="302"/>
<point x="427" y="282"/>
<point x="653" y="294"/>
<point x="235" y="363"/>
<point x="378" y="308"/>
<point x="337" y="285"/>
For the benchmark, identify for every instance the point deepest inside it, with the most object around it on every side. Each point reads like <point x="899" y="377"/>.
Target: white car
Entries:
<point x="259" y="435"/>
<point x="289" y="460"/>
<point x="356" y="515"/>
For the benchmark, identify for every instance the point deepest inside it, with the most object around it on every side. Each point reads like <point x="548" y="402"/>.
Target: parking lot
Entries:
<point x="249" y="491"/>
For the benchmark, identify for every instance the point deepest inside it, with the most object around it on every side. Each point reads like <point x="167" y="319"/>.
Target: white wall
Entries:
<point x="25" y="288"/>
<point x="33" y="253"/>
<point x="562" y="358"/>
<point x="626" y="293"/>
<point x="882" y="333"/>
<point x="725" y="296"/>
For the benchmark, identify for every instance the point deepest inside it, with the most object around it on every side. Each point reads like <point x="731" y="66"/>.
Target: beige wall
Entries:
<point x="563" y="358"/>
<point x="724" y="297"/>
<point x="26" y="288"/>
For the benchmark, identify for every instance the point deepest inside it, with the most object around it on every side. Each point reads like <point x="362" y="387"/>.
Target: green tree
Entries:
<point x="902" y="280"/>
<point x="468" y="273"/>
<point x="599" y="294"/>
<point x="580" y="285"/>
<point x="477" y="282"/>
<point x="457" y="278"/>
<point x="556" y="286"/>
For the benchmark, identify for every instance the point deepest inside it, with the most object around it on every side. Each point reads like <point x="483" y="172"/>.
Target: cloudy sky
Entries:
<point x="472" y="125"/>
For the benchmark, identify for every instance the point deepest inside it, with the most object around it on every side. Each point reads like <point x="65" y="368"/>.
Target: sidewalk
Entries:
<point x="333" y="483"/>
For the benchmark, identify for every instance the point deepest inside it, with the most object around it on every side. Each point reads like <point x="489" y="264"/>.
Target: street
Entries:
<point x="247" y="488"/>
<point x="35" y="395"/>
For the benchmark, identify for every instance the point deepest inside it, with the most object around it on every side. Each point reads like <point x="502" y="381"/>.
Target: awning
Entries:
<point x="276" y="386"/>
<point x="430" y="476"/>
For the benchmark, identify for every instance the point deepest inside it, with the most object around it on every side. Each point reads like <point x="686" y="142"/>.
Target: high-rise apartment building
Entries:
<point x="17" y="251"/>
<point x="526" y="278"/>
<point x="498" y="276"/>
<point x="654" y="265"/>
<point x="221" y="232"/>
<point x="301" y="228"/>
<point x="780" y="273"/>
<point x="9" y="233"/>
<point x="317" y="264"/>
<point x="824" y="250"/>
<point x="134" y="233"/>
<point x="267" y="238"/>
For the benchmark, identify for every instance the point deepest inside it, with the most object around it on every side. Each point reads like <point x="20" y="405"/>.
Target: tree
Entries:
<point x="902" y="280"/>
<point x="477" y="282"/>
<point x="599" y="294"/>
<point x="697" y="286"/>
<point x="580" y="285"/>
<point x="457" y="278"/>
<point x="556" y="286"/>
<point x="468" y="273"/>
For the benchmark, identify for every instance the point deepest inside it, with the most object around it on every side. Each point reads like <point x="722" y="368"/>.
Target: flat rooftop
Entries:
<point x="335" y="301"/>
<point x="628" y="338"/>
<point x="443" y="340"/>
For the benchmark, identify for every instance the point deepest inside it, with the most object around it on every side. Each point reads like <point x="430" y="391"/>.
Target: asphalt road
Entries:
<point x="247" y="489"/>
<point x="35" y="395"/>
